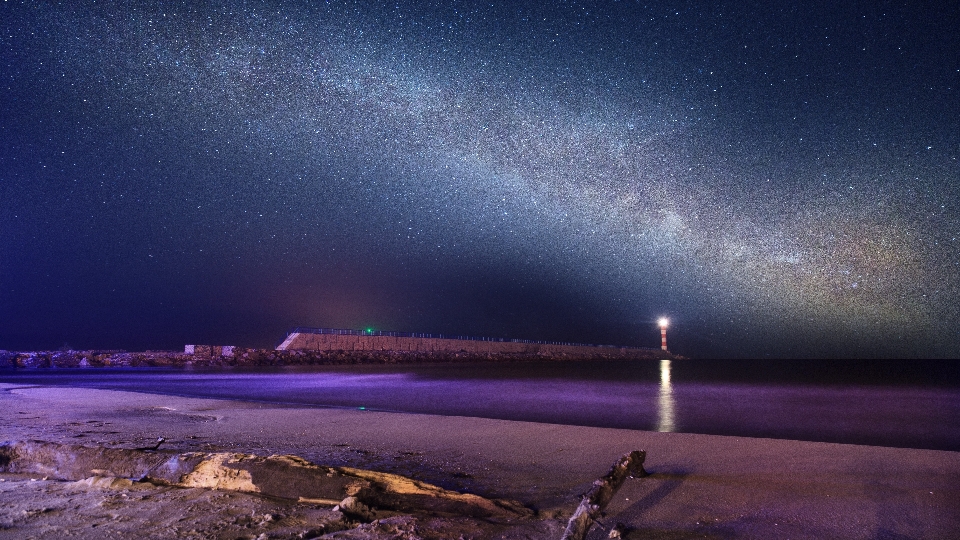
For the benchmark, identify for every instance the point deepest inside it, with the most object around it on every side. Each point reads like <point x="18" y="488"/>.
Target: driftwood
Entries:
<point x="362" y="494"/>
<point x="603" y="490"/>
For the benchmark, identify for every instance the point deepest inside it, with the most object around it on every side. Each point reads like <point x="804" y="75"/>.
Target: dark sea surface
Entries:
<point x="909" y="404"/>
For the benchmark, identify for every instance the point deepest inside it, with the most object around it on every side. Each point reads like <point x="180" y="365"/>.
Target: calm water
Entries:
<point x="904" y="404"/>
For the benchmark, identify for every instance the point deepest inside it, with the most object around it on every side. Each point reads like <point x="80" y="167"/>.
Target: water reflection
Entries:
<point x="665" y="405"/>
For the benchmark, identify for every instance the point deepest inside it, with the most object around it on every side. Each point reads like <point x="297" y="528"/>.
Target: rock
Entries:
<point x="354" y="509"/>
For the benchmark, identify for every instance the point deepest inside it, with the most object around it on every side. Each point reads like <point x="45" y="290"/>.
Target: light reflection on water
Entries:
<point x="912" y="404"/>
<point x="665" y="403"/>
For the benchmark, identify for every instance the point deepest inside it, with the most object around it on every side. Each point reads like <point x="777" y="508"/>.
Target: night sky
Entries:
<point x="778" y="179"/>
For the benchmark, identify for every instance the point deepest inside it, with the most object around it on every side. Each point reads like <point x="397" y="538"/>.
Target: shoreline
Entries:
<point x="699" y="485"/>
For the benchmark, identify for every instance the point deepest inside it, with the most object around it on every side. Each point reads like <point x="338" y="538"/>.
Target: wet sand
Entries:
<point x="701" y="486"/>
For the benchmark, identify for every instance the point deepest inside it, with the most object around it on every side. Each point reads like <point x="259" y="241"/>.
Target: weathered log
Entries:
<point x="357" y="491"/>
<point x="602" y="492"/>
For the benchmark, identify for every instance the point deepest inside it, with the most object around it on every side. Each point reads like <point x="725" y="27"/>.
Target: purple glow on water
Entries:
<point x="887" y="408"/>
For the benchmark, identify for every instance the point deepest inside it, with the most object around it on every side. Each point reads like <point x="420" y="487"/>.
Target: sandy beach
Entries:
<point x="700" y="486"/>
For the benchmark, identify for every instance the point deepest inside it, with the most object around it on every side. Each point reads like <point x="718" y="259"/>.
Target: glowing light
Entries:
<point x="665" y="411"/>
<point x="663" y="322"/>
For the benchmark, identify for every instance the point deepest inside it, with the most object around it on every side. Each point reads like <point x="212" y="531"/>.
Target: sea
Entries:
<point x="905" y="404"/>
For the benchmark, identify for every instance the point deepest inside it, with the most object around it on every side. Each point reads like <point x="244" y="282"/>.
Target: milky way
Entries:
<point x="777" y="182"/>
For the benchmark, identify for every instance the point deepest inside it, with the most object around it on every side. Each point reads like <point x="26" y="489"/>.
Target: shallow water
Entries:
<point x="910" y="405"/>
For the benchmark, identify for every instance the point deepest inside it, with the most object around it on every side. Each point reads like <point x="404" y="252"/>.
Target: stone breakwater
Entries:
<point x="211" y="356"/>
<point x="311" y="341"/>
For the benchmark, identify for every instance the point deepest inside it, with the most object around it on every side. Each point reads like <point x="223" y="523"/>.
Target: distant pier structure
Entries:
<point x="332" y="339"/>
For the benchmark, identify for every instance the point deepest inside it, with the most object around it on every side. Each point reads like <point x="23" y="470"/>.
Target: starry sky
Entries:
<point x="780" y="179"/>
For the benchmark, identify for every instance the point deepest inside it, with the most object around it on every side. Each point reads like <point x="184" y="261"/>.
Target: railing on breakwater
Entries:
<point x="350" y="332"/>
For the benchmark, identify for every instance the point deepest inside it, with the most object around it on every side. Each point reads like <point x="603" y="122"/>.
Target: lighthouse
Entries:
<point x="663" y="322"/>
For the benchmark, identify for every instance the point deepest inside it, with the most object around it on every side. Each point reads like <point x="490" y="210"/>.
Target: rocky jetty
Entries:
<point x="216" y="356"/>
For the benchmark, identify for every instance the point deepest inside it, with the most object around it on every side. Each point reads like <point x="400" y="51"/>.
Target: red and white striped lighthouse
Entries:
<point x="663" y="322"/>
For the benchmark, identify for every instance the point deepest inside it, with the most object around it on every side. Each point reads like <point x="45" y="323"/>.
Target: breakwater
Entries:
<point x="328" y="340"/>
<point x="209" y="356"/>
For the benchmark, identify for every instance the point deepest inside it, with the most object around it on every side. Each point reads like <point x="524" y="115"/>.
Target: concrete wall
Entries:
<point x="334" y="342"/>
